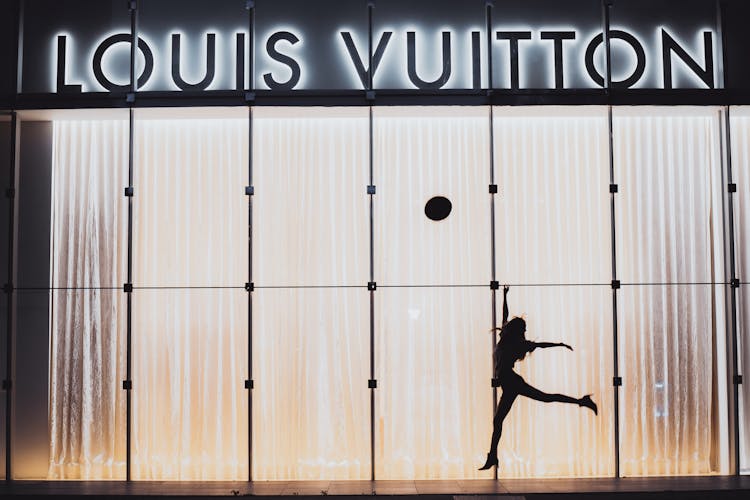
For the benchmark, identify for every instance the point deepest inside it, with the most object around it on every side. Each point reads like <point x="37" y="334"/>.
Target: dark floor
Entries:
<point x="718" y="487"/>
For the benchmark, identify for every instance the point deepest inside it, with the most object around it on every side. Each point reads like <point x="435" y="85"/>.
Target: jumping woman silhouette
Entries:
<point x="513" y="347"/>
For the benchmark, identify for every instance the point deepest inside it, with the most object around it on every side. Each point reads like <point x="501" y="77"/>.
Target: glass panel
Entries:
<point x="320" y="58"/>
<point x="310" y="208"/>
<point x="562" y="440"/>
<point x="443" y="54"/>
<point x="654" y="48"/>
<point x="84" y="24"/>
<point x="87" y="412"/>
<point x="673" y="407"/>
<point x="433" y="365"/>
<point x="669" y="206"/>
<point x="553" y="38"/>
<point x="552" y="197"/>
<point x="190" y="209"/>
<point x="311" y="407"/>
<point x="196" y="26"/>
<point x="190" y="413"/>
<point x="740" y="128"/>
<point x="432" y="210"/>
<point x="5" y="165"/>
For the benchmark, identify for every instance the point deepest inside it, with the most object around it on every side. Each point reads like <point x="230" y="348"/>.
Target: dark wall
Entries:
<point x="8" y="50"/>
<point x="4" y="209"/>
<point x="30" y="430"/>
<point x="736" y="16"/>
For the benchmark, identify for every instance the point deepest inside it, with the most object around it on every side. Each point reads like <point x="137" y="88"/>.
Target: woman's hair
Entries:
<point x="512" y="333"/>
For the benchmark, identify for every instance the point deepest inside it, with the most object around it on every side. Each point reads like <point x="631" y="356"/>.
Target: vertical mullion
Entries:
<point x="606" y="7"/>
<point x="129" y="294"/>
<point x="251" y="86"/>
<point x="733" y="295"/>
<point x="10" y="297"/>
<point x="370" y="7"/>
<point x="493" y="249"/>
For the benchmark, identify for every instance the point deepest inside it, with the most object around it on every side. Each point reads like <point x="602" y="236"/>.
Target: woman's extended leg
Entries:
<point x="503" y="407"/>
<point x="525" y="389"/>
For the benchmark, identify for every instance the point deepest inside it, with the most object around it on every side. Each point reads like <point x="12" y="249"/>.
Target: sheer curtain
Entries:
<point x="87" y="346"/>
<point x="190" y="324"/>
<point x="740" y="129"/>
<point x="311" y="412"/>
<point x="553" y="248"/>
<point x="433" y="304"/>
<point x="670" y="316"/>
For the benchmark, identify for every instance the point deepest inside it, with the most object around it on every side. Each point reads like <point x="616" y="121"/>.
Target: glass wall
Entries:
<point x="310" y="293"/>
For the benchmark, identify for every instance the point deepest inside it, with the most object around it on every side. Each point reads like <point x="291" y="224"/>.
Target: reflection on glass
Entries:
<point x="669" y="206"/>
<point x="89" y="212"/>
<point x="87" y="414"/>
<point x="189" y="401"/>
<point x="673" y="405"/>
<point x="311" y="415"/>
<point x="421" y="153"/>
<point x="190" y="209"/>
<point x="433" y="365"/>
<point x="310" y="208"/>
<point x="552" y="211"/>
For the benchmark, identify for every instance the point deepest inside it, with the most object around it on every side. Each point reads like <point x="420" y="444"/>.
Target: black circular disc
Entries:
<point x="438" y="208"/>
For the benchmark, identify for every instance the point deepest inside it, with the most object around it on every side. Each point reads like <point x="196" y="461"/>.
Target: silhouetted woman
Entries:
<point x="513" y="347"/>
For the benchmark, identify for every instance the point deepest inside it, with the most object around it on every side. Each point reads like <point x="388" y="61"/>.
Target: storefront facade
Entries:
<point x="269" y="240"/>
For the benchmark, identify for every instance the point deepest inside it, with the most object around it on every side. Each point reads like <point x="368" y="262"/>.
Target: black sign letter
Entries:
<point x="412" y="64"/>
<point x="283" y="59"/>
<point x="669" y="45"/>
<point x="357" y="60"/>
<point x="105" y="45"/>
<point x="210" y="64"/>
<point x="61" y="85"/>
<point x="513" y="37"/>
<point x="558" y="37"/>
<point x="640" y="55"/>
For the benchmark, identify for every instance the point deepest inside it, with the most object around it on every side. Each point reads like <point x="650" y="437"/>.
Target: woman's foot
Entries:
<point x="588" y="403"/>
<point x="491" y="461"/>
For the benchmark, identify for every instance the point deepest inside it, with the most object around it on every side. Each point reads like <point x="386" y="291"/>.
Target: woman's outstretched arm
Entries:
<point x="506" y="288"/>
<point x="544" y="345"/>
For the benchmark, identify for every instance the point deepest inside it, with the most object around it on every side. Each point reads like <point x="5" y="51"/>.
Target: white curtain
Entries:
<point x="740" y="129"/>
<point x="311" y="412"/>
<point x="87" y="347"/>
<point x="671" y="319"/>
<point x="190" y="344"/>
<point x="553" y="232"/>
<point x="433" y="304"/>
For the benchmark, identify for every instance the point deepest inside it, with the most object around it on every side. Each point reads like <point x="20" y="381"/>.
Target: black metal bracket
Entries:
<point x="494" y="285"/>
<point x="249" y="384"/>
<point x="493" y="188"/>
<point x="249" y="190"/>
<point x="732" y="187"/>
<point x="127" y="288"/>
<point x="735" y="283"/>
<point x="372" y="286"/>
<point x="250" y="287"/>
<point x="371" y="189"/>
<point x="132" y="5"/>
<point x="249" y="4"/>
<point x="10" y="193"/>
<point x="737" y="379"/>
<point x="370" y="95"/>
<point x="249" y="96"/>
<point x="613" y="188"/>
<point x="8" y="287"/>
<point x="130" y="97"/>
<point x="127" y="385"/>
<point x="129" y="191"/>
<point x="372" y="384"/>
<point x="495" y="382"/>
<point x="617" y="381"/>
<point x="615" y="284"/>
<point x="7" y="385"/>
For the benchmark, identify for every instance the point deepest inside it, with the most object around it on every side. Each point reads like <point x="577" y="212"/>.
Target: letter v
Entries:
<point x="354" y="54"/>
